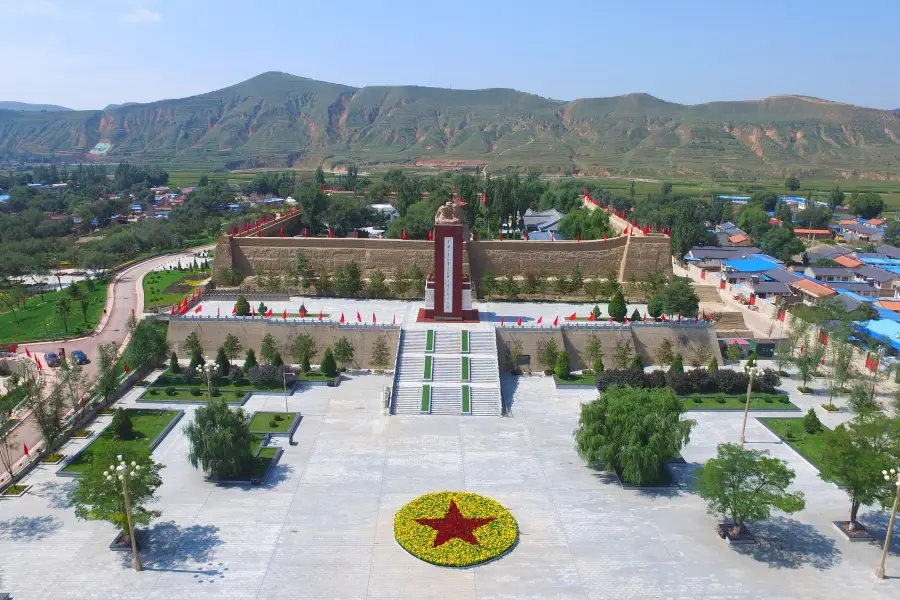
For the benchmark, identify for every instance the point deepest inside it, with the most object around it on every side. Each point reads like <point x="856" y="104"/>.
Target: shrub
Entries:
<point x="713" y="367"/>
<point x="189" y="374"/>
<point x="279" y="418"/>
<point x="196" y="358"/>
<point x="216" y="392"/>
<point x="562" y="365"/>
<point x="720" y="399"/>
<point x="162" y="380"/>
<point x="273" y="423"/>
<point x="731" y="382"/>
<point x="196" y="393"/>
<point x="122" y="425"/>
<point x="697" y="398"/>
<point x="235" y="373"/>
<point x="154" y="392"/>
<point x="811" y="422"/>
<point x="655" y="379"/>
<point x="250" y="360"/>
<point x="783" y="399"/>
<point x="637" y="362"/>
<point x="681" y="383"/>
<point x="677" y="365"/>
<point x="768" y="399"/>
<point x="620" y="377"/>
<point x="599" y="367"/>
<point x="767" y="382"/>
<point x="170" y="391"/>
<point x="329" y="365"/>
<point x="174" y="367"/>
<point x="263" y="376"/>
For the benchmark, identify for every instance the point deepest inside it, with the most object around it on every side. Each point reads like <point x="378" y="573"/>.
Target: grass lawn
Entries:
<point x="465" y="341"/>
<point x="316" y="376"/>
<point x="576" y="379"/>
<point x="466" y="399"/>
<point x="41" y="321"/>
<point x="181" y="395"/>
<point x="262" y="422"/>
<point x="757" y="402"/>
<point x="148" y="424"/>
<point x="428" y="366"/>
<point x="165" y="288"/>
<point x="809" y="445"/>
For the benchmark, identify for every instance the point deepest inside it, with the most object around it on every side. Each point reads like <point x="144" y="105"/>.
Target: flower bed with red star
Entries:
<point x="455" y="529"/>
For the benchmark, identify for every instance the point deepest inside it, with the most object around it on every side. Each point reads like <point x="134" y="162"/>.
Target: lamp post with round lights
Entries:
<point x="209" y="371"/>
<point x="118" y="475"/>
<point x="752" y="372"/>
<point x="889" y="476"/>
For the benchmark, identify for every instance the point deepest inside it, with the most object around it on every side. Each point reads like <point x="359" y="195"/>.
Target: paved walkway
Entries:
<point x="323" y="528"/>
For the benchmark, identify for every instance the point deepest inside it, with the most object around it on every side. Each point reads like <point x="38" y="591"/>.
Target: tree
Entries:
<point x="268" y="349"/>
<point x="862" y="399"/>
<point x="8" y="443"/>
<point x="64" y="309"/>
<point x="835" y="198"/>
<point x="191" y="344"/>
<point x="733" y="352"/>
<point x="623" y="355"/>
<point x="617" y="308"/>
<point x="84" y="303"/>
<point x="598" y="365"/>
<point x="219" y="440"/>
<point x="148" y="346"/>
<point x="378" y="287"/>
<point x="783" y="213"/>
<point x="48" y="410"/>
<point x="594" y="348"/>
<point x="633" y="431"/>
<point x="807" y="363"/>
<point x="510" y="287"/>
<point x="665" y="353"/>
<point x="677" y="365"/>
<point x="655" y="307"/>
<point x="343" y="352"/>
<point x="811" y="422"/>
<point x="713" y="367"/>
<point x="197" y="360"/>
<point x="792" y="183"/>
<point x="122" y="425"/>
<point x="381" y="354"/>
<point x="547" y="353"/>
<point x="488" y="285"/>
<point x="855" y="453"/>
<point x="679" y="297"/>
<point x="304" y="345"/>
<point x="96" y="497"/>
<point x="745" y="485"/>
<point x="781" y="243"/>
<point x="242" y="307"/>
<point x="329" y="365"/>
<point x="108" y="375"/>
<point x="250" y="360"/>
<point x="562" y="365"/>
<point x="174" y="367"/>
<point x="320" y="176"/>
<point x="637" y="361"/>
<point x="262" y="309"/>
<point x="222" y="362"/>
<point x="867" y="205"/>
<point x="514" y="353"/>
<point x="232" y="347"/>
<point x="576" y="281"/>
<point x="688" y="229"/>
<point x="348" y="280"/>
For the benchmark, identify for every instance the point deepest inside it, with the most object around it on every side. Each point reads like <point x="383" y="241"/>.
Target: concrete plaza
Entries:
<point x="322" y="527"/>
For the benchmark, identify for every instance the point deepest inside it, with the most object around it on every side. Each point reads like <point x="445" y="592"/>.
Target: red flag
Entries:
<point x="645" y="316"/>
<point x="258" y="232"/>
<point x="27" y="352"/>
<point x="540" y="320"/>
<point x="578" y="237"/>
<point x="40" y="366"/>
<point x="281" y="231"/>
<point x="330" y="233"/>
<point x="484" y="197"/>
<point x="185" y="302"/>
<point x="526" y="236"/>
<point x="604" y="237"/>
<point x="342" y="317"/>
<point x="591" y="317"/>
<point x="679" y="317"/>
<point x="268" y="313"/>
<point x="403" y="235"/>
<point x="127" y="368"/>
<point x="199" y="292"/>
<point x="173" y="311"/>
<point x="305" y="232"/>
<point x="198" y="309"/>
<point x="476" y="236"/>
<point x="520" y="322"/>
<point x="284" y="314"/>
<point x="358" y="317"/>
<point x="662" y="317"/>
<point x="610" y="319"/>
<point x="320" y="315"/>
<point x="218" y="311"/>
<point x="234" y="309"/>
<point x="302" y="312"/>
<point x="373" y="319"/>
<point x="25" y="446"/>
<point x="553" y="237"/>
<point x="626" y="320"/>
<point x="501" y="236"/>
<point x="431" y="234"/>
<point x="394" y="320"/>
<point x="572" y="317"/>
<point x="502" y="319"/>
<point x="556" y="321"/>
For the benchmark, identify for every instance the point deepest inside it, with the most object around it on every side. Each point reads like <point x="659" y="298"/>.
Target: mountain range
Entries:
<point x="31" y="107"/>
<point x="279" y="120"/>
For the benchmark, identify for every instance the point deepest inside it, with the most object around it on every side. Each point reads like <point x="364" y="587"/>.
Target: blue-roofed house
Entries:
<point x="547" y="220"/>
<point x="885" y="330"/>
<point x="4" y="197"/>
<point x="545" y="236"/>
<point x="743" y="269"/>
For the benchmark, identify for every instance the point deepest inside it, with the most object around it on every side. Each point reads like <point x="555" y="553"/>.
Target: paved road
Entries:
<point x="125" y="297"/>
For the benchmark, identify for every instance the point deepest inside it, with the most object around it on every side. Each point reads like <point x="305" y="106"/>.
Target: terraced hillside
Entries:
<point x="278" y="120"/>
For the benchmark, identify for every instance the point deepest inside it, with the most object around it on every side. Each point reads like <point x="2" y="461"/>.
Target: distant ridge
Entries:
<point x="281" y="120"/>
<point x="4" y="105"/>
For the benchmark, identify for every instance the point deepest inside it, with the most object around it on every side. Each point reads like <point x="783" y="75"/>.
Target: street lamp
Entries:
<point x="891" y="475"/>
<point x="284" y="382"/>
<point x="208" y="370"/>
<point x="751" y="371"/>
<point x="121" y="473"/>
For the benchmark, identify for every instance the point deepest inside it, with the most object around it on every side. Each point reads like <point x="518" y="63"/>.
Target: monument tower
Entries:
<point x="448" y="293"/>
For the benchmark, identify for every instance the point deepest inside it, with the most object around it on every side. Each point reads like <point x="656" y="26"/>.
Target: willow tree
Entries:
<point x="220" y="440"/>
<point x="633" y="431"/>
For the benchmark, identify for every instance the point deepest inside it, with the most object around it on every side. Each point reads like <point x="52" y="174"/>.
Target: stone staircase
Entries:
<point x="446" y="382"/>
<point x="708" y="293"/>
<point x="731" y="324"/>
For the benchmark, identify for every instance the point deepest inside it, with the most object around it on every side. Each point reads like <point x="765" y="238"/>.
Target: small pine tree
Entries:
<point x="599" y="367"/>
<point x="222" y="362"/>
<point x="636" y="315"/>
<point x="811" y="422"/>
<point x="197" y="359"/>
<point x="596" y="311"/>
<point x="122" y="425"/>
<point x="713" y="367"/>
<point x="677" y="365"/>
<point x="174" y="367"/>
<point x="637" y="362"/>
<point x="751" y="360"/>
<point x="242" y="307"/>
<point x="617" y="308"/>
<point x="329" y="365"/>
<point x="304" y="364"/>
<point x="262" y="309"/>
<point x="562" y="365"/>
<point x="250" y="360"/>
<point x="277" y="361"/>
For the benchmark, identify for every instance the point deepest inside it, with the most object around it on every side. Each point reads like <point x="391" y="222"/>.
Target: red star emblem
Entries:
<point x="454" y="525"/>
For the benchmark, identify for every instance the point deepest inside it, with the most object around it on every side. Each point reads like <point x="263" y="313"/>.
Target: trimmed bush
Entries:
<point x="196" y="393"/>
<point x="329" y="366"/>
<point x="562" y="365"/>
<point x="170" y="391"/>
<point x="811" y="422"/>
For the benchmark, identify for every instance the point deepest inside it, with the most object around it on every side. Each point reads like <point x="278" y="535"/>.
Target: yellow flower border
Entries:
<point x="494" y="539"/>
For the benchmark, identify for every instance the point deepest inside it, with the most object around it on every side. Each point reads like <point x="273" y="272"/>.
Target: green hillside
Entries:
<point x="278" y="120"/>
<point x="31" y="107"/>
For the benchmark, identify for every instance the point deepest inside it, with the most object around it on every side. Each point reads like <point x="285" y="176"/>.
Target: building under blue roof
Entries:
<point x="544" y="236"/>
<point x="747" y="265"/>
<point x="885" y="330"/>
<point x="4" y="197"/>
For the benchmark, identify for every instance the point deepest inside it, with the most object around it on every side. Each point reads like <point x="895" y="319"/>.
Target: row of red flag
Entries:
<point x="591" y="318"/>
<point x="284" y="314"/>
<point x="258" y="223"/>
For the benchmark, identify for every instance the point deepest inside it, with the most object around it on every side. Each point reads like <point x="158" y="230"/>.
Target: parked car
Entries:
<point x="52" y="359"/>
<point x="80" y="357"/>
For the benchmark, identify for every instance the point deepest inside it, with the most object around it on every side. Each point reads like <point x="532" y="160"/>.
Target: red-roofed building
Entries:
<point x="813" y="234"/>
<point x="810" y="291"/>
<point x="847" y="261"/>
<point x="739" y="240"/>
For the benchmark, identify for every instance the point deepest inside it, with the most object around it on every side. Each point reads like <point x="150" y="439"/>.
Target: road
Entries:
<point x="126" y="297"/>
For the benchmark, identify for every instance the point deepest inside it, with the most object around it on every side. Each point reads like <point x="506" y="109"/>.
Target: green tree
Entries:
<point x="219" y="440"/>
<point x="636" y="315"/>
<point x="192" y="345"/>
<point x="665" y="353"/>
<point x="348" y="280"/>
<point x="108" y="371"/>
<point x="514" y="353"/>
<point x="854" y="455"/>
<point x="733" y="352"/>
<point x="576" y="281"/>
<point x="262" y="309"/>
<point x="745" y="485"/>
<point x="329" y="365"/>
<point x="679" y="298"/>
<point x="623" y="355"/>
<point x="637" y="361"/>
<point x="98" y="495"/>
<point x="174" y="367"/>
<point x="594" y="348"/>
<point x="633" y="431"/>
<point x="655" y="307"/>
<point x="488" y="285"/>
<point x="677" y="365"/>
<point x="783" y="213"/>
<point x="713" y="367"/>
<point x="598" y="365"/>
<point x="268" y="349"/>
<point x="792" y="183"/>
<point x="242" y="307"/>
<point x="862" y="399"/>
<point x="232" y="346"/>
<point x="64" y="309"/>
<point x="617" y="308"/>
<point x="250" y="360"/>
<point x="562" y="365"/>
<point x="304" y="345"/>
<point x="381" y="354"/>
<point x="807" y="363"/>
<point x="547" y="353"/>
<point x="781" y="243"/>
<point x="197" y="360"/>
<point x="84" y="303"/>
<point x="148" y="346"/>
<point x="343" y="352"/>
<point x="835" y="198"/>
<point x="222" y="362"/>
<point x="867" y="205"/>
<point x="377" y="284"/>
<point x="688" y="229"/>
<point x="320" y="176"/>
<point x="811" y="422"/>
<point x="510" y="287"/>
<point x="122" y="425"/>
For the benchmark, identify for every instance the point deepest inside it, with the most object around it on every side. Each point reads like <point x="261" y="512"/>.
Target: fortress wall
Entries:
<point x="648" y="254"/>
<point x="212" y="333"/>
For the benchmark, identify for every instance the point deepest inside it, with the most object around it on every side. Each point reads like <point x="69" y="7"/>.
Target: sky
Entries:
<point x="86" y="54"/>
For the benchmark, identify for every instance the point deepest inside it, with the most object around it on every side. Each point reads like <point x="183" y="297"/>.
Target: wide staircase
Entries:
<point x="708" y="293"/>
<point x="731" y="324"/>
<point x="448" y="370"/>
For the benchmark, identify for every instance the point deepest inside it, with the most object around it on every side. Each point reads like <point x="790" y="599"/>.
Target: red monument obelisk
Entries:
<point x="448" y="294"/>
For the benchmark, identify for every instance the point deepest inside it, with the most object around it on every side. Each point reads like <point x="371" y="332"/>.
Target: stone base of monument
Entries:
<point x="464" y="314"/>
<point x="469" y="316"/>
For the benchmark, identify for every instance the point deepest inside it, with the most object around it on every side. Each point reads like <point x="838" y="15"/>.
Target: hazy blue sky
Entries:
<point x="89" y="53"/>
